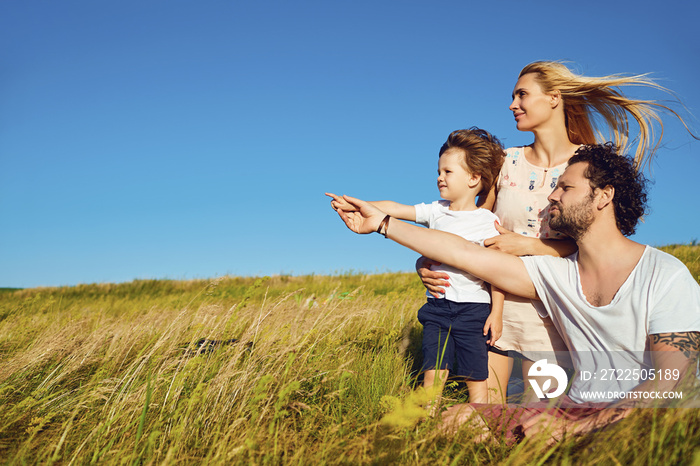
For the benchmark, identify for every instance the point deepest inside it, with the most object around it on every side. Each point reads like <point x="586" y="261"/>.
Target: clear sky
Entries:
<point x="179" y="139"/>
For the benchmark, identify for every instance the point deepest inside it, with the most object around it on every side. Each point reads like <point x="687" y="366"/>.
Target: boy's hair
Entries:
<point x="607" y="168"/>
<point x="484" y="154"/>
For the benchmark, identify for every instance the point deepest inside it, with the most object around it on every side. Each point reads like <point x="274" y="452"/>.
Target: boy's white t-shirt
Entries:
<point x="473" y="225"/>
<point x="659" y="296"/>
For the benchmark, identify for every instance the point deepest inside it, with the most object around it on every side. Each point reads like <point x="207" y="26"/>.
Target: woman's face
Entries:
<point x="531" y="107"/>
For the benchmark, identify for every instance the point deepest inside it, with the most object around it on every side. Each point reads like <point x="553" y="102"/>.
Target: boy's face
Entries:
<point x="455" y="182"/>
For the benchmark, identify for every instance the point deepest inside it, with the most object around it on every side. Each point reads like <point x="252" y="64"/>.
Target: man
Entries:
<point x="619" y="305"/>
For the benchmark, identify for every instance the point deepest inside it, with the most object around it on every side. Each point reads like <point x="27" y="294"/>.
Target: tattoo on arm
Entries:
<point x="687" y="342"/>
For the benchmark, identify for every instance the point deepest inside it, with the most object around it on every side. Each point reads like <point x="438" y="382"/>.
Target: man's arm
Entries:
<point x="500" y="269"/>
<point x="675" y="359"/>
<point x="674" y="356"/>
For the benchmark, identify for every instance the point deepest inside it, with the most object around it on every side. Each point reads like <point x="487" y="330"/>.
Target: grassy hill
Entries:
<point x="128" y="373"/>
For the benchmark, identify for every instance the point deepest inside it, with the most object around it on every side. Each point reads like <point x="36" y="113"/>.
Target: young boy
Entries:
<point x="466" y="318"/>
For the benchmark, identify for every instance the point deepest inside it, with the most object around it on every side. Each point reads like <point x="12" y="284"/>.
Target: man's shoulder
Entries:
<point x="659" y="262"/>
<point x="663" y="257"/>
<point x="672" y="293"/>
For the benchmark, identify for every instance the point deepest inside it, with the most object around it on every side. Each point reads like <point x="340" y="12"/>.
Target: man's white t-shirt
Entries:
<point x="473" y="225"/>
<point x="659" y="296"/>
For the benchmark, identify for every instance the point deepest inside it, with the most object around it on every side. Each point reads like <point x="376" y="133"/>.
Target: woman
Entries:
<point x="558" y="107"/>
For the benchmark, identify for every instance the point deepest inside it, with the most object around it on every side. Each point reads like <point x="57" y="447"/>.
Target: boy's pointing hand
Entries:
<point x="339" y="203"/>
<point x="360" y="216"/>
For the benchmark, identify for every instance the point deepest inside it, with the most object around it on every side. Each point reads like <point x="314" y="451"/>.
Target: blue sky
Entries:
<point x="178" y="139"/>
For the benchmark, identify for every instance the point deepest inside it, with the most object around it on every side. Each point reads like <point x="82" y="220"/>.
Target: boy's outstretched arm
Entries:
<point x="500" y="269"/>
<point x="396" y="210"/>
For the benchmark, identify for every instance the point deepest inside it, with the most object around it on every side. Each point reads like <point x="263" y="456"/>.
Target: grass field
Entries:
<point x="117" y="374"/>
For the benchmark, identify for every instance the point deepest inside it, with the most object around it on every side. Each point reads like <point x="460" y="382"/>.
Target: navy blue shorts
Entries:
<point x="455" y="331"/>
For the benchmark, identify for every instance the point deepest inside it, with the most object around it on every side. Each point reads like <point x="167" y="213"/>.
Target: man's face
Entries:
<point x="571" y="203"/>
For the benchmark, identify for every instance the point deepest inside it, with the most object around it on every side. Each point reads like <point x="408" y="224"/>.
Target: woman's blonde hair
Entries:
<point x="582" y="95"/>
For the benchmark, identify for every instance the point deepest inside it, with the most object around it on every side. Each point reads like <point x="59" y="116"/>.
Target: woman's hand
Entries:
<point x="361" y="217"/>
<point x="339" y="203"/>
<point x="495" y="325"/>
<point x="509" y="242"/>
<point x="435" y="282"/>
<point x="519" y="245"/>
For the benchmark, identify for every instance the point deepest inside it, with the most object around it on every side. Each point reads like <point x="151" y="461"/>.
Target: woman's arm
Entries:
<point x="519" y="245"/>
<point x="488" y="201"/>
<point x="502" y="270"/>
<point x="434" y="282"/>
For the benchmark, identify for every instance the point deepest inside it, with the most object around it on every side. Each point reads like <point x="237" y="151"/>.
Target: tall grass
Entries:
<point x="107" y="374"/>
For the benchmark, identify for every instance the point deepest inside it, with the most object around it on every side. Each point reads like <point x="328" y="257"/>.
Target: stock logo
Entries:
<point x="543" y="369"/>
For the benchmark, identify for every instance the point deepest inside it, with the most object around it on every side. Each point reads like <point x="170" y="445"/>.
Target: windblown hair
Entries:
<point x="483" y="154"/>
<point x="607" y="168"/>
<point x="583" y="95"/>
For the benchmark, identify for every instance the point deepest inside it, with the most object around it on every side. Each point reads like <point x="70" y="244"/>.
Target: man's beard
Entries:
<point x="575" y="220"/>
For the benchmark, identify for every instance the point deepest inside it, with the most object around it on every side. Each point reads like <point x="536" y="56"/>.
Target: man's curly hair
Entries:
<point x="607" y="168"/>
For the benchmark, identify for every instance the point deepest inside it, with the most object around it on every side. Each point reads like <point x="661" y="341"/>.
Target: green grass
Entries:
<point x="111" y="374"/>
